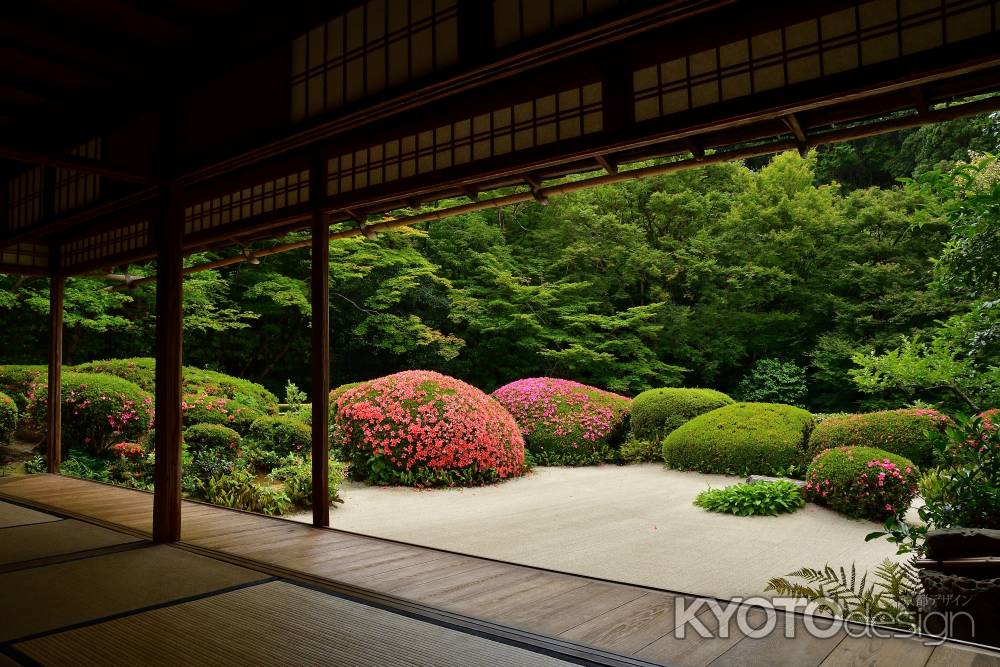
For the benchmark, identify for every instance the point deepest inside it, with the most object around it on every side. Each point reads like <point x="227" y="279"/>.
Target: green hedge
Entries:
<point x="741" y="439"/>
<point x="902" y="432"/>
<point x="862" y="482"/>
<point x="657" y="412"/>
<point x="212" y="440"/>
<point x="142" y="371"/>
<point x="281" y="435"/>
<point x="8" y="417"/>
<point x="97" y="410"/>
<point x="20" y="382"/>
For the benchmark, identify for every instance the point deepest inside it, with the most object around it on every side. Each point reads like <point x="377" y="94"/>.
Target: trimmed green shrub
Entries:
<point x="281" y="435"/>
<point x="296" y="474"/>
<point x="97" y="410"/>
<point x="741" y="439"/>
<point x="904" y="432"/>
<point x="657" y="412"/>
<point x="212" y="440"/>
<point x="770" y="498"/>
<point x="207" y="409"/>
<point x="142" y="371"/>
<point x="862" y="482"/>
<point x="421" y="428"/>
<point x="20" y="383"/>
<point x="8" y="417"/>
<point x="564" y="422"/>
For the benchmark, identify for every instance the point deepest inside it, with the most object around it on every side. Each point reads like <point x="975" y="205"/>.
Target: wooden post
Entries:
<point x="57" y="286"/>
<point x="169" y="237"/>
<point x="321" y="368"/>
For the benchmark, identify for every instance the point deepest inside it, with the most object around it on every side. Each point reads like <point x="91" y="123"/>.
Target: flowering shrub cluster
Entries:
<point x="20" y="383"/>
<point x="203" y="408"/>
<point x="97" y="410"/>
<point x="862" y="482"/>
<point x="8" y="417"/>
<point x="903" y="432"/>
<point x="565" y="422"/>
<point x="128" y="450"/>
<point x="422" y="428"/>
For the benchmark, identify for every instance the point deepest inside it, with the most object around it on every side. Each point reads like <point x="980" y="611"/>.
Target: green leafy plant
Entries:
<point x="281" y="435"/>
<point x="770" y="498"/>
<point x="888" y="597"/>
<point x="741" y="439"/>
<point x="213" y="441"/>
<point x="241" y="490"/>
<point x="635" y="450"/>
<point x="657" y="412"/>
<point x="296" y="475"/>
<point x="84" y="465"/>
<point x="774" y="381"/>
<point x="36" y="464"/>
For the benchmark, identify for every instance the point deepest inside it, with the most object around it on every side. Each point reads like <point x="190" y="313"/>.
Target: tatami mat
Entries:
<point x="275" y="623"/>
<point x="40" y="540"/>
<point x="53" y="596"/>
<point x="15" y="515"/>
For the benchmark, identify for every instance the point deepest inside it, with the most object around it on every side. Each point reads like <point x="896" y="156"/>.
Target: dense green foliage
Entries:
<point x="281" y="435"/>
<point x="657" y="412"/>
<point x="769" y="498"/>
<point x="295" y="473"/>
<point x="19" y="383"/>
<point x="212" y="441"/>
<point x="862" y="482"/>
<point x="742" y="439"/>
<point x="8" y="417"/>
<point x="97" y="410"/>
<point x="241" y="489"/>
<point x="773" y="381"/>
<point x="905" y="432"/>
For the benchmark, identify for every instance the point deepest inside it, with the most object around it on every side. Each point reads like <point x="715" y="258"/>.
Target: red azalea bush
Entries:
<point x="565" y="422"/>
<point x="97" y="410"/>
<point x="128" y="450"/>
<point x="903" y="432"/>
<point x="421" y="428"/>
<point x="862" y="482"/>
<point x="203" y="408"/>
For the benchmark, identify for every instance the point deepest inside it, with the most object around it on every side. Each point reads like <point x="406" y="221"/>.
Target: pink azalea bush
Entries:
<point x="862" y="482"/>
<point x="97" y="410"/>
<point x="421" y="428"/>
<point x="565" y="422"/>
<point x="903" y="432"/>
<point x="204" y="408"/>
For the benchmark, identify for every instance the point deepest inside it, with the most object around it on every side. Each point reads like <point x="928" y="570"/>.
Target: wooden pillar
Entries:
<point x="56" y="292"/>
<point x="321" y="368"/>
<point x="169" y="237"/>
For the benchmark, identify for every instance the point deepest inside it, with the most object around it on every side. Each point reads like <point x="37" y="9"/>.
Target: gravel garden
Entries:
<point x="543" y="471"/>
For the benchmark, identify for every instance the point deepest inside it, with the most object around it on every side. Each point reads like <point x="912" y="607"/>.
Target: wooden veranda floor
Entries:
<point x="570" y="616"/>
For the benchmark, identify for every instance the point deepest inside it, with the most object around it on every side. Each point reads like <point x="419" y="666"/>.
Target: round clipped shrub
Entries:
<point x="657" y="412"/>
<point x="862" y="482"/>
<point x="97" y="410"/>
<point x="565" y="422"/>
<point x="741" y="439"/>
<point x="422" y="428"/>
<point x="8" y="417"/>
<point x="212" y="440"/>
<point x="21" y="383"/>
<point x="142" y="371"/>
<point x="204" y="408"/>
<point x="281" y="435"/>
<point x="337" y="392"/>
<point x="903" y="432"/>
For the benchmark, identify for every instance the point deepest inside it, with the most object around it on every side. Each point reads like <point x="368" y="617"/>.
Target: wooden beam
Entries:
<point x="607" y="163"/>
<point x="320" y="299"/>
<point x="169" y="231"/>
<point x="81" y="164"/>
<point x="792" y="121"/>
<point x="57" y="285"/>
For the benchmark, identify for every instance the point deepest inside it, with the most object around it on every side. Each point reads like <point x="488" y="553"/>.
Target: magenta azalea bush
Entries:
<point x="862" y="482"/>
<point x="565" y="422"/>
<point x="97" y="410"/>
<point x="421" y="428"/>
